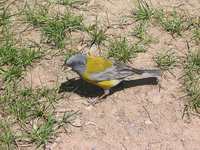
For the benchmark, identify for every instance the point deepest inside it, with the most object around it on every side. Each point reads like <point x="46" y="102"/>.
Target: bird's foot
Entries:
<point x="94" y="101"/>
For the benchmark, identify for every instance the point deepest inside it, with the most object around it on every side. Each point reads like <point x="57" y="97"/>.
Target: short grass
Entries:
<point x="171" y="22"/>
<point x="14" y="60"/>
<point x="70" y="3"/>
<point x="33" y="112"/>
<point x="196" y="34"/>
<point x="4" y="17"/>
<point x="121" y="50"/>
<point x="28" y="116"/>
<point x="7" y="138"/>
<point x="166" y="60"/>
<point x="192" y="79"/>
<point x="36" y="16"/>
<point x="140" y="31"/>
<point x="28" y="103"/>
<point x="96" y="34"/>
<point x="42" y="133"/>
<point x="144" y="12"/>
<point x="24" y="105"/>
<point x="56" y="28"/>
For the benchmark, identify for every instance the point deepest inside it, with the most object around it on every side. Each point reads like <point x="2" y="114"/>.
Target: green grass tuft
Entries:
<point x="138" y="48"/>
<point x="196" y="34"/>
<point x="27" y="104"/>
<point x="4" y="17"/>
<point x="158" y="14"/>
<point x="120" y="50"/>
<point x="40" y="135"/>
<point x="172" y="23"/>
<point x="56" y="28"/>
<point x="14" y="60"/>
<point x="37" y="16"/>
<point x="69" y="2"/>
<point x="97" y="35"/>
<point x="7" y="138"/>
<point x="141" y="32"/>
<point x="166" y="60"/>
<point x="144" y="12"/>
<point x="33" y="112"/>
<point x="192" y="79"/>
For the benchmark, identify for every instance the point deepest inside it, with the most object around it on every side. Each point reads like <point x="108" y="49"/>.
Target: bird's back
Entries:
<point x="97" y="64"/>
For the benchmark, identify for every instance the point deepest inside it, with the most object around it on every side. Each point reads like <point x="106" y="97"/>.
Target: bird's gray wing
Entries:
<point x="117" y="71"/>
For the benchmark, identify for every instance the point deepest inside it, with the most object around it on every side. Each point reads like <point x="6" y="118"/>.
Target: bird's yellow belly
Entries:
<point x="102" y="84"/>
<point x="107" y="84"/>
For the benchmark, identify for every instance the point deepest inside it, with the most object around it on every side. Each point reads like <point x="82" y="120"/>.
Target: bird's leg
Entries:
<point x="99" y="99"/>
<point x="106" y="93"/>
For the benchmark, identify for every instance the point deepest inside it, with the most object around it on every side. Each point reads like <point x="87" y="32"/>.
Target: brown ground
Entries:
<point x="135" y="118"/>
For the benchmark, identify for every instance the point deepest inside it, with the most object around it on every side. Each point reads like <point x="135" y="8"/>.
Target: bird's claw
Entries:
<point x="93" y="101"/>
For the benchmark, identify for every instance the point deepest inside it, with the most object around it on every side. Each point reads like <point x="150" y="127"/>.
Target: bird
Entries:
<point x="104" y="72"/>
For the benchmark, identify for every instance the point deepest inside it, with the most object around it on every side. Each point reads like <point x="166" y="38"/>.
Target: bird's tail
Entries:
<point x="143" y="73"/>
<point x="151" y="73"/>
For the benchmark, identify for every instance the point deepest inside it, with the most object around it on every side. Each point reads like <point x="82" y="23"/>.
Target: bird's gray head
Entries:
<point x="77" y="63"/>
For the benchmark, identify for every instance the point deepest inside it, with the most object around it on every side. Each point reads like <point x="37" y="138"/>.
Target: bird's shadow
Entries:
<point x="85" y="89"/>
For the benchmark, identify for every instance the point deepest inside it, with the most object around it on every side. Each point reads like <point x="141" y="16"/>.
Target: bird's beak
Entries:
<point x="66" y="68"/>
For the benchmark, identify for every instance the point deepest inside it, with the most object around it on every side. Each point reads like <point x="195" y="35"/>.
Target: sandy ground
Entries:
<point x="140" y="117"/>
